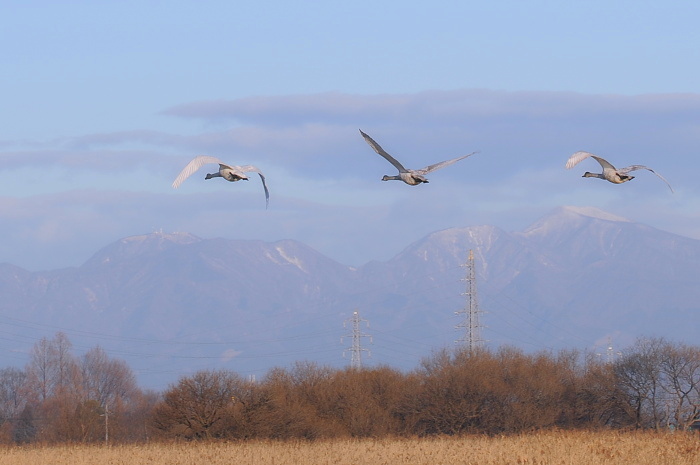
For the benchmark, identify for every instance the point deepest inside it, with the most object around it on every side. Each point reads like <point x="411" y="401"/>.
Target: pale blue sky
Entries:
<point x="79" y="66"/>
<point x="104" y="103"/>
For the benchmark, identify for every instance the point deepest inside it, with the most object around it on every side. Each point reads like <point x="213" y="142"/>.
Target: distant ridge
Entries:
<point x="170" y="303"/>
<point x="594" y="212"/>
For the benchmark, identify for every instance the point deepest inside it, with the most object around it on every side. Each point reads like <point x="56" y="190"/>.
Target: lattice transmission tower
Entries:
<point x="470" y="323"/>
<point x="356" y="348"/>
<point x="610" y="352"/>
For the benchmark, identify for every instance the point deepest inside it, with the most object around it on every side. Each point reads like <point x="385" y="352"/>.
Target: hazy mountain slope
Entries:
<point x="169" y="284"/>
<point x="615" y="273"/>
<point x="573" y="278"/>
<point x="172" y="303"/>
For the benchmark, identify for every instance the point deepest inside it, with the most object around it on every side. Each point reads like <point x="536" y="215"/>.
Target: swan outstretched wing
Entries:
<point x="192" y="167"/>
<point x="378" y="148"/>
<point x="642" y="167"/>
<point x="578" y="157"/>
<point x="255" y="169"/>
<point x="442" y="164"/>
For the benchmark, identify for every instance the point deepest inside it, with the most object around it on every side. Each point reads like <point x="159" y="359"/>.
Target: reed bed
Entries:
<point x="552" y="447"/>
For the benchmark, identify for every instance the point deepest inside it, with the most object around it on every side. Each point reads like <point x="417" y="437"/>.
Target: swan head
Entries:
<point x="389" y="178"/>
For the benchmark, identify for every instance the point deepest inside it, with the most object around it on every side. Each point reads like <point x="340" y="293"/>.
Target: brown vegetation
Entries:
<point x="59" y="398"/>
<point x="545" y="447"/>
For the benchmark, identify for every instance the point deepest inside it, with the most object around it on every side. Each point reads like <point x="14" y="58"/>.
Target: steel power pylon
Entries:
<point x="356" y="349"/>
<point x="610" y="353"/>
<point x="470" y="324"/>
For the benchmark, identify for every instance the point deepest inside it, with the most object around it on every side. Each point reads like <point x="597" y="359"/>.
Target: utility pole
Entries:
<point x="357" y="335"/>
<point x="470" y="324"/>
<point x="106" y="415"/>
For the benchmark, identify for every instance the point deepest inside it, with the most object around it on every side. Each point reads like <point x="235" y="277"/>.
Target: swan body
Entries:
<point x="610" y="173"/>
<point x="228" y="172"/>
<point x="410" y="177"/>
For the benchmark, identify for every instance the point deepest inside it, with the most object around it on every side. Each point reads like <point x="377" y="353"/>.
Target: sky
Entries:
<point x="105" y="102"/>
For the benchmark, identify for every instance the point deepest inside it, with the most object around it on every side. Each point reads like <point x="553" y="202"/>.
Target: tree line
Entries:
<point x="59" y="397"/>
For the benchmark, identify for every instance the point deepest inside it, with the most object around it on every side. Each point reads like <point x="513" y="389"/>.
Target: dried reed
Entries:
<point x="549" y="447"/>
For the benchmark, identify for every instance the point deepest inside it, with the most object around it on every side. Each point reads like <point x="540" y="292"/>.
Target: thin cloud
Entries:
<point x="520" y="128"/>
<point x="106" y="161"/>
<point x="292" y="110"/>
<point x="144" y="138"/>
<point x="429" y="105"/>
<point x="324" y="179"/>
<point x="316" y="135"/>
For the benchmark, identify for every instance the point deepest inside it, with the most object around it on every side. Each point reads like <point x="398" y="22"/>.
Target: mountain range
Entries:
<point x="172" y="303"/>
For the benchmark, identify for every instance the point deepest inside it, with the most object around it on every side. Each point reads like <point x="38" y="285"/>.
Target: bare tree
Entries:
<point x="640" y="378"/>
<point x="13" y="400"/>
<point x="73" y="399"/>
<point x="599" y="399"/>
<point x="106" y="380"/>
<point x="12" y="395"/>
<point x="296" y="403"/>
<point x="367" y="402"/>
<point x="680" y="365"/>
<point x="51" y="367"/>
<point x="196" y="406"/>
<point x="64" y="361"/>
<point x="41" y="369"/>
<point x="25" y="427"/>
<point x="454" y="391"/>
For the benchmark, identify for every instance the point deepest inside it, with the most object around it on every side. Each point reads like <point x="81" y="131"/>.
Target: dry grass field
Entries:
<point x="553" y="447"/>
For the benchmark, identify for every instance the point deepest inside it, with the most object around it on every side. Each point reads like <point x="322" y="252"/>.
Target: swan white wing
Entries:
<point x="192" y="167"/>
<point x="604" y="163"/>
<point x="378" y="148"/>
<point x="267" y="192"/>
<point x="642" y="167"/>
<point x="255" y="169"/>
<point x="442" y="164"/>
<point x="578" y="157"/>
<point x="246" y="169"/>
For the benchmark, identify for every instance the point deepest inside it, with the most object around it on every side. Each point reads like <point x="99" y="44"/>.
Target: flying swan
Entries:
<point x="411" y="177"/>
<point x="229" y="173"/>
<point x="610" y="173"/>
